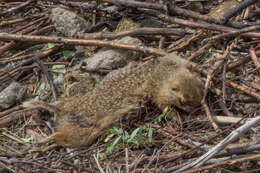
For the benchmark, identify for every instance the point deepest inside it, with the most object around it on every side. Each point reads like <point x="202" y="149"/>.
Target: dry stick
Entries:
<point x="99" y="166"/>
<point x="209" y="115"/>
<point x="37" y="59"/>
<point x="136" y="4"/>
<point x="29" y="24"/>
<point x="45" y="39"/>
<point x="4" y="121"/>
<point x="14" y="9"/>
<point x="197" y="147"/>
<point x="226" y="162"/>
<point x="219" y="147"/>
<point x="234" y="85"/>
<point x="126" y="161"/>
<point x="9" y="71"/>
<point x="8" y="111"/>
<point x="210" y="75"/>
<point x="135" y="32"/>
<point x="212" y="163"/>
<point x="245" y="89"/>
<point x="224" y="95"/>
<point x="254" y="57"/>
<point x="17" y="21"/>
<point x="223" y="105"/>
<point x="183" y="42"/>
<point x="224" y="120"/>
<point x="16" y="57"/>
<point x="27" y="67"/>
<point x="13" y="44"/>
<point x="173" y="10"/>
<point x="205" y="25"/>
<point x="245" y="149"/>
<point x="213" y="40"/>
<point x="16" y="69"/>
<point x="241" y="61"/>
<point x="233" y="11"/>
<point x="9" y="168"/>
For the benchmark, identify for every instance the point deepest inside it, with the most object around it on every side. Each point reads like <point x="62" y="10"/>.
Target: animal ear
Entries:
<point x="190" y="68"/>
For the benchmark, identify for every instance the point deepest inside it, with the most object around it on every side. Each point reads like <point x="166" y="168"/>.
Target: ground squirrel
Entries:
<point x="165" y="81"/>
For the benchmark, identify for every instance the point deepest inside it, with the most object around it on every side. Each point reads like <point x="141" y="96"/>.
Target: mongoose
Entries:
<point x="165" y="81"/>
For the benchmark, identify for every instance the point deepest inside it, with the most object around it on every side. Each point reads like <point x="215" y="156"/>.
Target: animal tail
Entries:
<point x="39" y="104"/>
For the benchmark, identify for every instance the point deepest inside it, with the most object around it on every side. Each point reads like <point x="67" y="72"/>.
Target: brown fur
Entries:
<point x="165" y="81"/>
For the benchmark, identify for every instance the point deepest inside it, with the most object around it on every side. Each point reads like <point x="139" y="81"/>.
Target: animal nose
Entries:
<point x="181" y="101"/>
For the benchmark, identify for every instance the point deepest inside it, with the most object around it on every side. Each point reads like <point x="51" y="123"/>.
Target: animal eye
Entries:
<point x="175" y="89"/>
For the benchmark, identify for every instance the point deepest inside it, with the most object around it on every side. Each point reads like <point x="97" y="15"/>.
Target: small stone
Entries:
<point x="113" y="58"/>
<point x="14" y="93"/>
<point x="68" y="23"/>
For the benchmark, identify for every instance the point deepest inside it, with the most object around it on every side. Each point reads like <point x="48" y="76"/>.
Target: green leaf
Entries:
<point x="116" y="131"/>
<point x="163" y="114"/>
<point x="150" y="134"/>
<point x="109" y="137"/>
<point x="59" y="68"/>
<point x="134" y="134"/>
<point x="116" y="140"/>
<point x="67" y="54"/>
<point x="109" y="149"/>
<point x="42" y="86"/>
<point x="136" y="142"/>
<point x="126" y="136"/>
<point x="50" y="45"/>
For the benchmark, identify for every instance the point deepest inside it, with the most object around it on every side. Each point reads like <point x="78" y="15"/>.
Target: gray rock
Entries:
<point x="13" y="93"/>
<point x="113" y="58"/>
<point x="151" y="22"/>
<point x="111" y="9"/>
<point x="4" y="84"/>
<point x="58" y="79"/>
<point x="67" y="22"/>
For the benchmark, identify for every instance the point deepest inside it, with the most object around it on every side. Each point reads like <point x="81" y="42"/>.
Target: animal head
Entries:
<point x="182" y="89"/>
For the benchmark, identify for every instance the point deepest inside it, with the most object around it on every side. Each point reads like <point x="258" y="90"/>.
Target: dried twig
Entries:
<point x="126" y="161"/>
<point x="205" y="25"/>
<point x="232" y="12"/>
<point x="6" y="120"/>
<point x="68" y="41"/>
<point x="46" y="73"/>
<point x="208" y="81"/>
<point x="12" y="10"/>
<point x="229" y="120"/>
<point x="99" y="166"/>
<point x="254" y="57"/>
<point x="172" y="9"/>
<point x="223" y="163"/>
<point x="6" y="73"/>
<point x="213" y="40"/>
<point x="135" y="32"/>
<point x="229" y="139"/>
<point x="241" y="61"/>
<point x="13" y="44"/>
